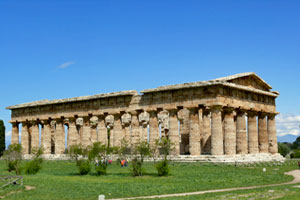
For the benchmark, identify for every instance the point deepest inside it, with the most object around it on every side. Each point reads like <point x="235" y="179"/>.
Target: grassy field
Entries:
<point x="59" y="180"/>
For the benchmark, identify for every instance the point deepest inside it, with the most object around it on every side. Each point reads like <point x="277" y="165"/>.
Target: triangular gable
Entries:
<point x="249" y="79"/>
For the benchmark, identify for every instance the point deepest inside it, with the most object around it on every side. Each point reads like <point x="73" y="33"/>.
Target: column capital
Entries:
<point x="272" y="114"/>
<point x="262" y="114"/>
<point x="228" y="109"/>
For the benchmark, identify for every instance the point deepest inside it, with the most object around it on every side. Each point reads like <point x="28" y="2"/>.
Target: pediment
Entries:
<point x="249" y="79"/>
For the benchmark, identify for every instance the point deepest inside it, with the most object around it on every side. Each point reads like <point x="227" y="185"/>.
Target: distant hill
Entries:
<point x="287" y="138"/>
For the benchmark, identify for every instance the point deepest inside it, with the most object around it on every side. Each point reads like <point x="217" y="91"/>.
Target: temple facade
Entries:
<point x="234" y="115"/>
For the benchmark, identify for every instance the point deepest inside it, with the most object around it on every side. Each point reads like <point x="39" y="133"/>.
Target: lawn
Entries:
<point x="59" y="180"/>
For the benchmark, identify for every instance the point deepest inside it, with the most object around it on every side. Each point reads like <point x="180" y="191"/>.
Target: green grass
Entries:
<point x="59" y="180"/>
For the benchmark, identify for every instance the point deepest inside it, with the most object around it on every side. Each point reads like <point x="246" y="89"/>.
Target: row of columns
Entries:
<point x="215" y="130"/>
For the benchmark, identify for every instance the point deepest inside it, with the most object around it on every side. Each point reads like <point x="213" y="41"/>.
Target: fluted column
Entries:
<point x="164" y="121"/>
<point x="126" y="121"/>
<point x="241" y="133"/>
<point x="109" y="122"/>
<point x="25" y="138"/>
<point x="73" y="135"/>
<point x="34" y="135"/>
<point x="217" y="131"/>
<point x="135" y="129"/>
<point x="117" y="131"/>
<point x="15" y="133"/>
<point x="262" y="133"/>
<point x="102" y="131"/>
<point x="86" y="132"/>
<point x="252" y="133"/>
<point x="154" y="129"/>
<point x="184" y="118"/>
<point x="273" y="148"/>
<point x="46" y="137"/>
<point x="144" y="118"/>
<point x="206" y="132"/>
<point x="194" y="136"/>
<point x="174" y="131"/>
<point x="229" y="132"/>
<point x="93" y="125"/>
<point x="59" y="137"/>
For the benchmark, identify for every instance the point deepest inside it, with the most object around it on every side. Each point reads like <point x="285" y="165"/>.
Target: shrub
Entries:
<point x="13" y="158"/>
<point x="32" y="167"/>
<point x="162" y="168"/>
<point x="283" y="149"/>
<point x="295" y="154"/>
<point x="84" y="166"/>
<point x="136" y="167"/>
<point x="2" y="137"/>
<point x="140" y="151"/>
<point x="101" y="169"/>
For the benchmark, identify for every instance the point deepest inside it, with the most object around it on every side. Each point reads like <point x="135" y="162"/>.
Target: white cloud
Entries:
<point x="7" y="138"/>
<point x="288" y="124"/>
<point x="65" y="65"/>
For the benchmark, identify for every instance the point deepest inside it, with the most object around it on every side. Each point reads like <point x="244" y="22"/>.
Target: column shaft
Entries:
<point x="273" y="148"/>
<point x="154" y="131"/>
<point x="262" y="134"/>
<point x="46" y="138"/>
<point x="206" y="132"/>
<point x="59" y="138"/>
<point x="229" y="133"/>
<point x="241" y="133"/>
<point x="86" y="132"/>
<point x="174" y="131"/>
<point x="252" y="133"/>
<point x="135" y="129"/>
<point x="194" y="136"/>
<point x="102" y="131"/>
<point x="25" y="138"/>
<point x="73" y="134"/>
<point x="217" y="132"/>
<point x="15" y="133"/>
<point x="34" y="136"/>
<point x="117" y="131"/>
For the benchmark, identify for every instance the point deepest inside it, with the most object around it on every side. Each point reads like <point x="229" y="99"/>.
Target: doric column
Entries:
<point x="252" y="133"/>
<point x="144" y="118"/>
<point x="117" y="131"/>
<point x="272" y="134"/>
<point x="34" y="135"/>
<point x="59" y="137"/>
<point x="93" y="125"/>
<point x="135" y="129"/>
<point x="241" y="133"/>
<point x="102" y="131"/>
<point x="25" y="138"/>
<point x="184" y="118"/>
<point x="15" y="133"/>
<point x="262" y="133"/>
<point x="229" y="132"/>
<point x="194" y="136"/>
<point x="154" y="129"/>
<point x="109" y="122"/>
<point x="86" y="132"/>
<point x="217" y="131"/>
<point x="206" y="132"/>
<point x="174" y="131"/>
<point x="46" y="137"/>
<point x="126" y="121"/>
<point x="164" y="121"/>
<point x="73" y="134"/>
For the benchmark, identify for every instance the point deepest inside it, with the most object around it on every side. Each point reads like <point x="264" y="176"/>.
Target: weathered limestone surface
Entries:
<point x="229" y="132"/>
<point x="252" y="133"/>
<point x="206" y="111"/>
<point x="241" y="133"/>
<point x="15" y="133"/>
<point x="262" y="133"/>
<point x="272" y="134"/>
<point x="217" y="132"/>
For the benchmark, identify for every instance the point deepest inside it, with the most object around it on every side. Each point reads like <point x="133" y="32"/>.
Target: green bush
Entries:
<point x="136" y="167"/>
<point x="13" y="158"/>
<point x="11" y="165"/>
<point x="32" y="167"/>
<point x="84" y="166"/>
<point x="162" y="168"/>
<point x="295" y="154"/>
<point x="283" y="149"/>
<point x="101" y="169"/>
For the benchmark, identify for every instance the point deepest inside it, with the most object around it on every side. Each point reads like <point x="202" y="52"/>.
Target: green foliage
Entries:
<point x="2" y="137"/>
<point x="84" y="166"/>
<point x="13" y="158"/>
<point x="163" y="168"/>
<point x="101" y="168"/>
<point x="283" y="149"/>
<point x="296" y="144"/>
<point x="77" y="151"/>
<point x="34" y="166"/>
<point x="295" y="154"/>
<point x="140" y="151"/>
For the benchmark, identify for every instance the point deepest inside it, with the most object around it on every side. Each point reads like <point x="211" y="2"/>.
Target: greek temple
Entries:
<point x="226" y="116"/>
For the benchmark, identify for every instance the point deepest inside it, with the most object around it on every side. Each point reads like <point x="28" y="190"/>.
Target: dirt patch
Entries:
<point x="27" y="187"/>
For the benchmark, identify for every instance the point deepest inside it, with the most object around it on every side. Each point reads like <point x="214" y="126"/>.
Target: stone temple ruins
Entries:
<point x="225" y="119"/>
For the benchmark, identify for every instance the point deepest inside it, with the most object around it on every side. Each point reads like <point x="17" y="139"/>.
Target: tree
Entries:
<point x="296" y="144"/>
<point x="99" y="155"/>
<point x="79" y="154"/>
<point x="165" y="147"/>
<point x="283" y="149"/>
<point x="2" y="137"/>
<point x="140" y="152"/>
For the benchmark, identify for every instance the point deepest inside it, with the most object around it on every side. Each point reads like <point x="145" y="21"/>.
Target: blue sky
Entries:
<point x="58" y="49"/>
